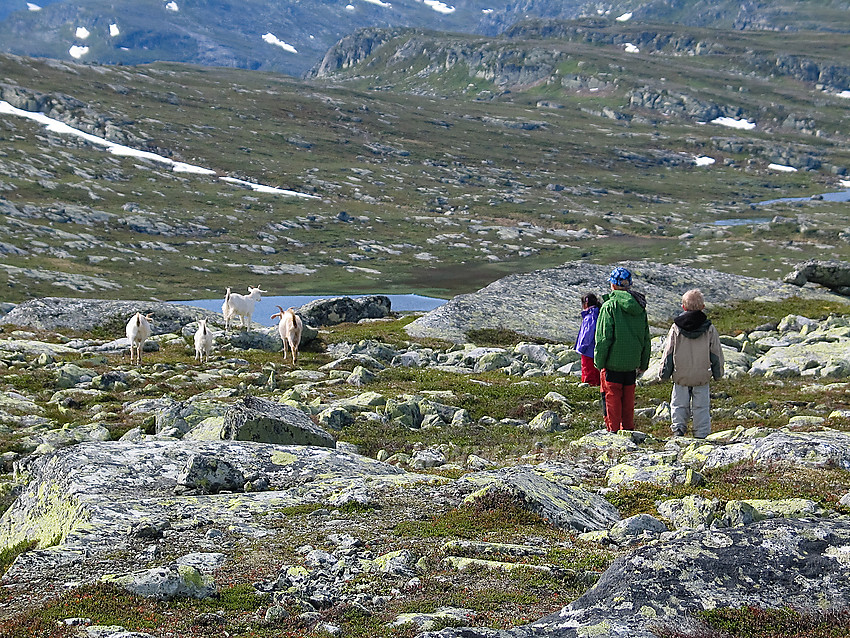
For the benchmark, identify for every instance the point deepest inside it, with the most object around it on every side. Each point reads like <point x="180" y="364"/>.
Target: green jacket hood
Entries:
<point x="629" y="302"/>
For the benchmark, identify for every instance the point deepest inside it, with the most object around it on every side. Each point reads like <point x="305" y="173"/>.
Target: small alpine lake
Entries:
<point x="267" y="306"/>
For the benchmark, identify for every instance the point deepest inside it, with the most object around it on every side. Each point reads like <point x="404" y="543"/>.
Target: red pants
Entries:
<point x="589" y="373"/>
<point x="619" y="405"/>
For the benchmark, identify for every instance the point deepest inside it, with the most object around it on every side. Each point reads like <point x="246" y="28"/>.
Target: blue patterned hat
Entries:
<point x="620" y="277"/>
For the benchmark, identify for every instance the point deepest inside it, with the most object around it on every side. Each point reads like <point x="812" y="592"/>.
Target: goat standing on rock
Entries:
<point x="203" y="342"/>
<point x="290" y="328"/>
<point x="241" y="306"/>
<point x="138" y="330"/>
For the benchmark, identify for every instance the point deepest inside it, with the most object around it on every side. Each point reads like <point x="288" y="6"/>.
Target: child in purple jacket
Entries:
<point x="586" y="340"/>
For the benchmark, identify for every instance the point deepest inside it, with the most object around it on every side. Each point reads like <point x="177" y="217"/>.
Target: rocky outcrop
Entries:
<point x="546" y="303"/>
<point x="549" y="490"/>
<point x="87" y="497"/>
<point x="772" y="564"/>
<point x="329" y="312"/>
<point x="353" y="49"/>
<point x="71" y="111"/>
<point x="57" y="313"/>
<point x="832" y="274"/>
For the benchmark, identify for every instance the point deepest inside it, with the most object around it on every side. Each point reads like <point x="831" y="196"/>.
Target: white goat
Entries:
<point x="290" y="328"/>
<point x="138" y="330"/>
<point x="203" y="342"/>
<point x="240" y="305"/>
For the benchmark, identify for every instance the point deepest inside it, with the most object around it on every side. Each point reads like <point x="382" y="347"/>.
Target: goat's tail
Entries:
<point x="138" y="319"/>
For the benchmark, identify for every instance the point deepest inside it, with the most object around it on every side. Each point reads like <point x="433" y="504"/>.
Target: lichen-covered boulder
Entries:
<point x="826" y="356"/>
<point x="550" y="490"/>
<point x="827" y="448"/>
<point x="690" y="511"/>
<point x="546" y="421"/>
<point x="831" y="273"/>
<point x="328" y="312"/>
<point x="636" y="529"/>
<point x="335" y="418"/>
<point x="773" y="564"/>
<point x="263" y="421"/>
<point x="753" y="510"/>
<point x="166" y="583"/>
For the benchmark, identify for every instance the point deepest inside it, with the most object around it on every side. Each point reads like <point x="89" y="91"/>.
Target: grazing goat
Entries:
<point x="290" y="328"/>
<point x="240" y="305"/>
<point x="203" y="342"/>
<point x="138" y="330"/>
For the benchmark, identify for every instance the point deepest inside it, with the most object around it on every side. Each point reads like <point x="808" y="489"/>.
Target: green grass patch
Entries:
<point x="746" y="316"/>
<point x="741" y="481"/>
<point x="9" y="554"/>
<point x="476" y="522"/>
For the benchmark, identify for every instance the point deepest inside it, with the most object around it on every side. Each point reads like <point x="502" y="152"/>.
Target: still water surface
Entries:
<point x="267" y="306"/>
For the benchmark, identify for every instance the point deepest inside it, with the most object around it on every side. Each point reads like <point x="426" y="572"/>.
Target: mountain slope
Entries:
<point x="226" y="33"/>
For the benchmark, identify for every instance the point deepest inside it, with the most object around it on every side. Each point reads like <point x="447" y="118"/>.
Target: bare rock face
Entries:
<point x="547" y="303"/>
<point x="832" y="274"/>
<point x="262" y="421"/>
<point x="772" y="564"/>
<point x="56" y="313"/>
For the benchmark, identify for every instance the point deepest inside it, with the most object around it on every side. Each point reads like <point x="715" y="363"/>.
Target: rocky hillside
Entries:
<point x="392" y="484"/>
<point x="291" y="38"/>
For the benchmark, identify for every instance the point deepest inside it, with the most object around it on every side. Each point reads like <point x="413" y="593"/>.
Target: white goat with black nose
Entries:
<point x="290" y="328"/>
<point x="203" y="342"/>
<point x="242" y="306"/>
<point x="138" y="330"/>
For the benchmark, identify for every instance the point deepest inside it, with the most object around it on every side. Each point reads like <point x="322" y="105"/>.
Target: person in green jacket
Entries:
<point x="622" y="349"/>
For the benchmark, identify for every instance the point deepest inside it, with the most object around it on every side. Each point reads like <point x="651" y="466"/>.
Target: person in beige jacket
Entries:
<point x="692" y="356"/>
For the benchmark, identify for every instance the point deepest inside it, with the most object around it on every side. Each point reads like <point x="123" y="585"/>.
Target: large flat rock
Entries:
<point x="87" y="497"/>
<point x="547" y="303"/>
<point x="800" y="564"/>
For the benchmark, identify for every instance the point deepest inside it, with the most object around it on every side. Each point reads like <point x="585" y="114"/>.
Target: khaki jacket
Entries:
<point x="692" y="354"/>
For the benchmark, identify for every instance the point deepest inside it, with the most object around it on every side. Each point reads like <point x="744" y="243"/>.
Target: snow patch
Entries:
<point x="114" y="30"/>
<point x="77" y="51"/>
<point x="260" y="188"/>
<point x="439" y="7"/>
<point x="55" y="126"/>
<point x="704" y="160"/>
<point x="82" y="33"/>
<point x="844" y="94"/>
<point x="349" y="7"/>
<point x="782" y="168"/>
<point x="172" y="6"/>
<point x="487" y="12"/>
<point x="380" y="3"/>
<point x="273" y="39"/>
<point x="733" y="123"/>
<point x="845" y="183"/>
<point x="33" y="7"/>
<point x="631" y="48"/>
<point x="624" y="18"/>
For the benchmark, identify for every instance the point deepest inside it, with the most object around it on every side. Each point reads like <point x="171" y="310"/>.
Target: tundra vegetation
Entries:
<point x="498" y="599"/>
